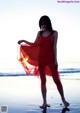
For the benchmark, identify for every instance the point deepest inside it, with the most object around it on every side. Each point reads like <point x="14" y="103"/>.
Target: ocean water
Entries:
<point x="66" y="72"/>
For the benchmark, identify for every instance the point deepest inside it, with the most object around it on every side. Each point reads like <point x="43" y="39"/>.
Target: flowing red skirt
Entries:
<point x="38" y="56"/>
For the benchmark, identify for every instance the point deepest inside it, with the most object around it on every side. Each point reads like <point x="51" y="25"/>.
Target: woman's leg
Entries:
<point x="58" y="83"/>
<point x="43" y="87"/>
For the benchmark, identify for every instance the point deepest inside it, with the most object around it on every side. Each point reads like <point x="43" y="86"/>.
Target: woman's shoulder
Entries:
<point x="38" y="36"/>
<point x="40" y="32"/>
<point x="55" y="33"/>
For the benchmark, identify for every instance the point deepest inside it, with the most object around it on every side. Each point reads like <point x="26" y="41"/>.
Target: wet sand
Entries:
<point x="22" y="94"/>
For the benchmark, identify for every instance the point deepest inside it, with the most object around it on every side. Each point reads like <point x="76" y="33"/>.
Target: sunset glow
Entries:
<point x="19" y="20"/>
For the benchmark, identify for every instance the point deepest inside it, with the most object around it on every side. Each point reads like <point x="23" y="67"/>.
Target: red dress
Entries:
<point x="38" y="55"/>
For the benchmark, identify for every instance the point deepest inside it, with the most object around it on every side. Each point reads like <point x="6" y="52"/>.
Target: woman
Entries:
<point x="42" y="54"/>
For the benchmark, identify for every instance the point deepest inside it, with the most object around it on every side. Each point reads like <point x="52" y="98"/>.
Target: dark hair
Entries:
<point x="46" y="20"/>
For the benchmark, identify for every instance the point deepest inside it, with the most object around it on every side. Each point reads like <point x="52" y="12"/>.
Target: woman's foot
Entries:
<point x="66" y="104"/>
<point x="44" y="106"/>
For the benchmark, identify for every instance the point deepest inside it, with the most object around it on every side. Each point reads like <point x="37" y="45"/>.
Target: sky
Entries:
<point x="19" y="20"/>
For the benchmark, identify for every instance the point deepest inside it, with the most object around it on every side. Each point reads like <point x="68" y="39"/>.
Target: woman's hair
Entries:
<point x="46" y="20"/>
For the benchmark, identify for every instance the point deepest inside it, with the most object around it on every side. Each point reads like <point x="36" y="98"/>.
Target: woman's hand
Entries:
<point x="20" y="41"/>
<point x="56" y="64"/>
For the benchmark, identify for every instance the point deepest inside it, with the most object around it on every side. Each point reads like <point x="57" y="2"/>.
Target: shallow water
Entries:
<point x="22" y="94"/>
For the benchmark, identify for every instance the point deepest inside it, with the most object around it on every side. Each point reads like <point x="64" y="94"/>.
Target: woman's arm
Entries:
<point x="38" y="36"/>
<point x="55" y="36"/>
<point x="27" y="42"/>
<point x="21" y="41"/>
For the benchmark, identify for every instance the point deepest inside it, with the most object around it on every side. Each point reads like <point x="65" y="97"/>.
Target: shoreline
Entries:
<point x="23" y="95"/>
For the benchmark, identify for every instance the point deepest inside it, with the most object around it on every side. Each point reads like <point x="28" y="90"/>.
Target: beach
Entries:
<point x="22" y="94"/>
